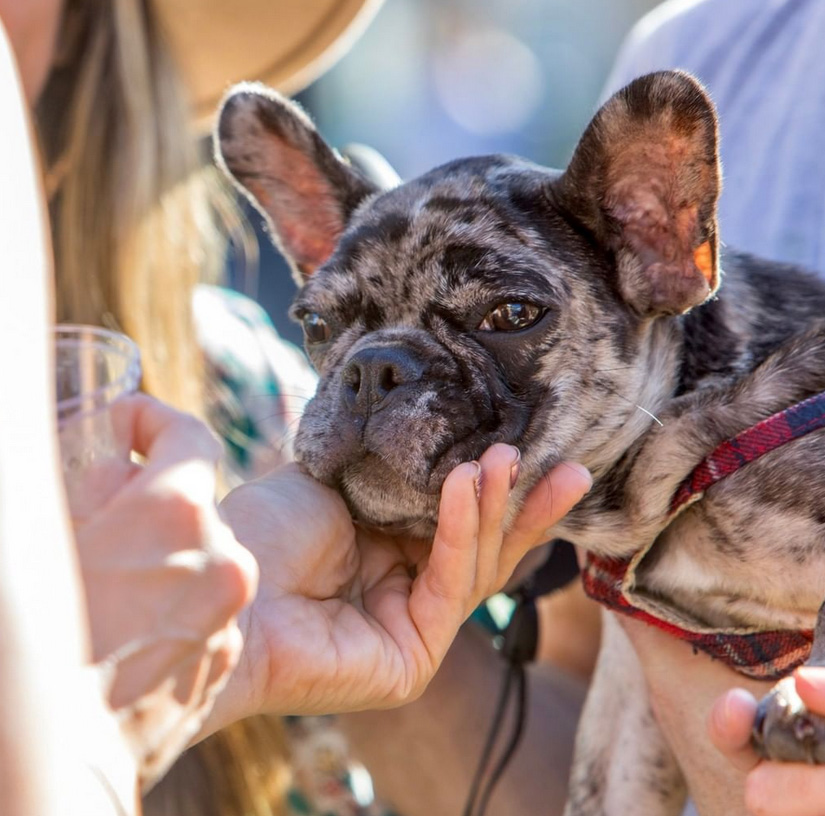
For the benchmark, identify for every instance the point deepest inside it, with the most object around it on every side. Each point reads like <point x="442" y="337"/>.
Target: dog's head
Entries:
<point x="487" y="300"/>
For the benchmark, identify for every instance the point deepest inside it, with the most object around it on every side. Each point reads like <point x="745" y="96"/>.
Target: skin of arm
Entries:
<point x="422" y="757"/>
<point x="683" y="689"/>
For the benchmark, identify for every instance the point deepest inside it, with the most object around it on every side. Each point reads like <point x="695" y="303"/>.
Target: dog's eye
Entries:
<point x="316" y="329"/>
<point x="511" y="317"/>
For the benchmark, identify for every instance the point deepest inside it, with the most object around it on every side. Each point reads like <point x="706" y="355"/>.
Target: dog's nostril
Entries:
<point x="352" y="377"/>
<point x="388" y="379"/>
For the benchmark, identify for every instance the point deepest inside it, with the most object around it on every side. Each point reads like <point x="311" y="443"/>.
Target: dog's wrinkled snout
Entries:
<point x="374" y="372"/>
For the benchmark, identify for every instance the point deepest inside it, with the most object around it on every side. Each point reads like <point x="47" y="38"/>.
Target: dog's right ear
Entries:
<point x="644" y="180"/>
<point x="306" y="192"/>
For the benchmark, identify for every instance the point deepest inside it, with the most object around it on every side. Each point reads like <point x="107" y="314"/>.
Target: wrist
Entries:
<point x="242" y="696"/>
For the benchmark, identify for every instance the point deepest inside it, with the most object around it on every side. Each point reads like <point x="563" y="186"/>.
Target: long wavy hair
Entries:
<point x="133" y="221"/>
<point x="135" y="227"/>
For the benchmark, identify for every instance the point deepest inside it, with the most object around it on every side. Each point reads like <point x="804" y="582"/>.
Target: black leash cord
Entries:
<point x="489" y="744"/>
<point x="515" y="737"/>
<point x="518" y="648"/>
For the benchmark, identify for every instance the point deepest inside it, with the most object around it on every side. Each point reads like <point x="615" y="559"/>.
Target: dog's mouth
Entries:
<point x="418" y="528"/>
<point x="379" y="496"/>
<point x="398" y="494"/>
<point x="390" y="462"/>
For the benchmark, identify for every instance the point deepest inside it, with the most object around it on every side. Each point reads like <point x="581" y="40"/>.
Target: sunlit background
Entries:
<point x="432" y="80"/>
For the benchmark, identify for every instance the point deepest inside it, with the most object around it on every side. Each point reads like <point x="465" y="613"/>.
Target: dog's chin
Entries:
<point x="379" y="497"/>
<point x="421" y="529"/>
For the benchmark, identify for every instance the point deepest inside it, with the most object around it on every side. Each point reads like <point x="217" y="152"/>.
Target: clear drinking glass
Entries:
<point x="94" y="367"/>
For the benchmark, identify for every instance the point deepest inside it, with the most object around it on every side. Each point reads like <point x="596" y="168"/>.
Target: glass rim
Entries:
<point x="67" y="334"/>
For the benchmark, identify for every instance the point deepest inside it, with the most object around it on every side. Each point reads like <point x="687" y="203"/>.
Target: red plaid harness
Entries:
<point x="763" y="655"/>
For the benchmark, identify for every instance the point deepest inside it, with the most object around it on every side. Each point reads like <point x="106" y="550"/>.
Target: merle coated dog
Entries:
<point x="576" y="315"/>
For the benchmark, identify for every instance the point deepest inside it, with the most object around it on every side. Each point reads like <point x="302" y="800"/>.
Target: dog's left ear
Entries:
<point x="306" y="192"/>
<point x="645" y="180"/>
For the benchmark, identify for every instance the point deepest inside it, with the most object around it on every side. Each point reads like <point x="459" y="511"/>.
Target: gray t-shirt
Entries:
<point x="763" y="62"/>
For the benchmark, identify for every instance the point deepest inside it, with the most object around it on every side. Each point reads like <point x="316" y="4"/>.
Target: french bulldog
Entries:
<point x="576" y="315"/>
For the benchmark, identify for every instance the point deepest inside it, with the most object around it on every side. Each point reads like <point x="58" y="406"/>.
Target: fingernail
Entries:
<point x="737" y="705"/>
<point x="477" y="479"/>
<point x="515" y="468"/>
<point x="811" y="675"/>
<point x="581" y="469"/>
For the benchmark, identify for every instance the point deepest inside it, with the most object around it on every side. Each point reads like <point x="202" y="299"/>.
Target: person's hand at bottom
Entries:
<point x="771" y="788"/>
<point x="348" y="618"/>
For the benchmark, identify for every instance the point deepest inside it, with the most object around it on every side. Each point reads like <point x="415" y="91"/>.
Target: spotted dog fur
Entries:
<point x="493" y="300"/>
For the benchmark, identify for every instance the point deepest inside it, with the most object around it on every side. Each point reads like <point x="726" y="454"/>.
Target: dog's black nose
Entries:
<point x="372" y="373"/>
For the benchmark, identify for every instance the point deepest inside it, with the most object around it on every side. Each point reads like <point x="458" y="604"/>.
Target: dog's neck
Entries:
<point x="657" y="379"/>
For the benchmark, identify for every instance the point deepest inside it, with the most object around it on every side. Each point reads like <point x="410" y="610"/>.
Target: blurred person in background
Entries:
<point x="762" y="64"/>
<point x="135" y="228"/>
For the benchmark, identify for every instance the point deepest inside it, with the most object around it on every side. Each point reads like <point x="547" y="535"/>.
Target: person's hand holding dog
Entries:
<point x="348" y="618"/>
<point x="771" y="788"/>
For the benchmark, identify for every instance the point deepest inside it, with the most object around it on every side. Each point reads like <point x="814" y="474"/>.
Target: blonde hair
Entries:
<point x="240" y="771"/>
<point x="134" y="230"/>
<point x="133" y="226"/>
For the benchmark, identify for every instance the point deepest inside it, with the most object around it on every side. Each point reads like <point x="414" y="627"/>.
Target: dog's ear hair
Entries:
<point x="645" y="180"/>
<point x="305" y="191"/>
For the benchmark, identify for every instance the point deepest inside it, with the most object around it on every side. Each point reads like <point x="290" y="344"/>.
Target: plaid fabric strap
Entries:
<point x="766" y="655"/>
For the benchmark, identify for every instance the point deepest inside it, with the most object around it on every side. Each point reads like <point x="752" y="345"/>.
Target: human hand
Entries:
<point x="164" y="581"/>
<point x="348" y="618"/>
<point x="771" y="788"/>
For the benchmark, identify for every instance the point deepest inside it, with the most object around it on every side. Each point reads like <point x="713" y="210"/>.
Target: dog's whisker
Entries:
<point x="411" y="525"/>
<point x="650" y="414"/>
<point x="304" y="397"/>
<point x="280" y="395"/>
<point x="634" y="404"/>
<point x="288" y="436"/>
<point x="286" y="412"/>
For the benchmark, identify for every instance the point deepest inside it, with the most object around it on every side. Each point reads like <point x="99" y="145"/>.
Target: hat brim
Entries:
<point x="284" y="43"/>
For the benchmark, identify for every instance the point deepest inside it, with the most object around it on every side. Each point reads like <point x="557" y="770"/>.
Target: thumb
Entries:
<point x="729" y="727"/>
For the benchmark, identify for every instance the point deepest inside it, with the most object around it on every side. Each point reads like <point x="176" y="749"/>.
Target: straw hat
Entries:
<point x="284" y="43"/>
